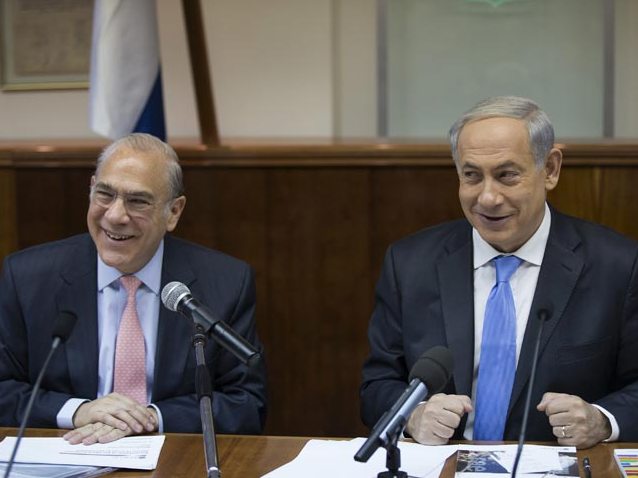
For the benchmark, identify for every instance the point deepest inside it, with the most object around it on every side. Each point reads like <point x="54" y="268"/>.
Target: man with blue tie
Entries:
<point x="478" y="285"/>
<point x="128" y="367"/>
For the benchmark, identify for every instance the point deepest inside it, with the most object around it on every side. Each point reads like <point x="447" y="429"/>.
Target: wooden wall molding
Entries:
<point x="56" y="155"/>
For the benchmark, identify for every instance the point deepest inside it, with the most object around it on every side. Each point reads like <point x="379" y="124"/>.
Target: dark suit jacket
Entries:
<point x="588" y="347"/>
<point x="37" y="283"/>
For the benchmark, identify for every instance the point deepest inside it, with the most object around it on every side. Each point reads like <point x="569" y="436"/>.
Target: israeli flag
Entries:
<point x="126" y="85"/>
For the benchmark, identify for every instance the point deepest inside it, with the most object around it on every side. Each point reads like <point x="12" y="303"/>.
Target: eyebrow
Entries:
<point x="138" y="194"/>
<point x="508" y="164"/>
<point x="505" y="165"/>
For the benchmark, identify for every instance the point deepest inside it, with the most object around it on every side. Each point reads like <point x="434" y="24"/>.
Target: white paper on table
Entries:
<point x="534" y="459"/>
<point x="136" y="452"/>
<point x="320" y="458"/>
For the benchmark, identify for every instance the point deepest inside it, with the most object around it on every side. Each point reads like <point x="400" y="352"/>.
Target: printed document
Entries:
<point x="135" y="452"/>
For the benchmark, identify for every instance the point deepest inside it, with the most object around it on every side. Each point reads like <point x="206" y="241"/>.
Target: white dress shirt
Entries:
<point x="523" y="283"/>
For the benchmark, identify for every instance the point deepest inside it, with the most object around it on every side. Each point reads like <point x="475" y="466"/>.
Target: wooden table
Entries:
<point x="183" y="454"/>
<point x="253" y="456"/>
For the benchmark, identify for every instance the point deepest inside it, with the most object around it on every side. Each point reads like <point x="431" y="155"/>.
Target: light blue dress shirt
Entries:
<point x="111" y="300"/>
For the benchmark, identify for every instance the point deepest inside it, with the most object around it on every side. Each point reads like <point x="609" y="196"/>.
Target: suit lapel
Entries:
<point x="559" y="273"/>
<point x="174" y="331"/>
<point x="455" y="275"/>
<point x="78" y="294"/>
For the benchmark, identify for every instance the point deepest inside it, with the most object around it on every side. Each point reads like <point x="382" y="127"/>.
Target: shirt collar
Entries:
<point x="532" y="251"/>
<point x="150" y="274"/>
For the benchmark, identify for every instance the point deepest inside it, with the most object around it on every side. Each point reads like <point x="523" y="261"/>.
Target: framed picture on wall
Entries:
<point x="45" y="44"/>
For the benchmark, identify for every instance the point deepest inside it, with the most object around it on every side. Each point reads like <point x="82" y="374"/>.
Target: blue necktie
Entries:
<point x="497" y="364"/>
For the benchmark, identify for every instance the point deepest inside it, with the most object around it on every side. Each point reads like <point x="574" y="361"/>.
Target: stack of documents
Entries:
<point x="627" y="459"/>
<point x="321" y="458"/>
<point x="35" y="470"/>
<point x="497" y="461"/>
<point x="136" y="452"/>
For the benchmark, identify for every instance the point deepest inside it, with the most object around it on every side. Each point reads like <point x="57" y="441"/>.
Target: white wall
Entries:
<point x="281" y="68"/>
<point x="274" y="67"/>
<point x="355" y="68"/>
<point x="626" y="84"/>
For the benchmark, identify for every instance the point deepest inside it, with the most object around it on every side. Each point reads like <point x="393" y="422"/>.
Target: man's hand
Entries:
<point x="99" y="432"/>
<point x="95" y="433"/>
<point x="433" y="422"/>
<point x="115" y="411"/>
<point x="575" y="422"/>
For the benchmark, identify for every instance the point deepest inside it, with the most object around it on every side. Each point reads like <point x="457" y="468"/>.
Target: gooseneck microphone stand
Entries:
<point x="177" y="297"/>
<point x="62" y="328"/>
<point x="543" y="315"/>
<point x="393" y="456"/>
<point x="27" y="413"/>
<point x="204" y="391"/>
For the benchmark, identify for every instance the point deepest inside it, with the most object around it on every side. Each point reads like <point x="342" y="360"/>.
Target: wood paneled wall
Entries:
<point x="314" y="222"/>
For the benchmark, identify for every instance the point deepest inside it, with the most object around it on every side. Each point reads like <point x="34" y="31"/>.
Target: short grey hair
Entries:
<point x="148" y="144"/>
<point x="539" y="128"/>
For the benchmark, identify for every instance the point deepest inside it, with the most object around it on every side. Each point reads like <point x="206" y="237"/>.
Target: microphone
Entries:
<point x="544" y="314"/>
<point x="429" y="375"/>
<point x="62" y="328"/>
<point x="177" y="297"/>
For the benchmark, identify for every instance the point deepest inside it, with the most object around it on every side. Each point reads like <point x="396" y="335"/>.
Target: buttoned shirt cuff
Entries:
<point x="64" y="418"/>
<point x="615" y="429"/>
<point x="160" y="421"/>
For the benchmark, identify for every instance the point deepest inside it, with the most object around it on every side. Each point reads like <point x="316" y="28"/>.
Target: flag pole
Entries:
<point x="201" y="73"/>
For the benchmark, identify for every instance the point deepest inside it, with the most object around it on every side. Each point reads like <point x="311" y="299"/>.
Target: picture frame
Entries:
<point x="45" y="44"/>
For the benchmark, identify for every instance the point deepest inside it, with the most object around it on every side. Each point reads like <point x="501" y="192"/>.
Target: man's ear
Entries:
<point x="174" y="213"/>
<point x="552" y="168"/>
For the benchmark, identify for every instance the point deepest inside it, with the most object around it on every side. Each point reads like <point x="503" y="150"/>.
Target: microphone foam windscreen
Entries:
<point x="64" y="324"/>
<point x="172" y="293"/>
<point x="434" y="368"/>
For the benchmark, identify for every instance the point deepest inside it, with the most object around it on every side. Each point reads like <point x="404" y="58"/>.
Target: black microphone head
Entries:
<point x="63" y="325"/>
<point x="173" y="293"/>
<point x="545" y="312"/>
<point x="434" y="368"/>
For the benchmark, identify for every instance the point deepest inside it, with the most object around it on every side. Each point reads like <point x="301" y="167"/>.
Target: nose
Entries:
<point x="116" y="212"/>
<point x="490" y="195"/>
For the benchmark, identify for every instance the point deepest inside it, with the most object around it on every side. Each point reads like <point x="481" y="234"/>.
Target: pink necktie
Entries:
<point x="130" y="351"/>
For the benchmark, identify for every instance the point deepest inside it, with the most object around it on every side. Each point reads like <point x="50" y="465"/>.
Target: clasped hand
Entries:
<point x="433" y="422"/>
<point x="110" y="418"/>
<point x="574" y="421"/>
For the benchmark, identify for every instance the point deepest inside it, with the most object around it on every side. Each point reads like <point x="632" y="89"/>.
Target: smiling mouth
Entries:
<point x="117" y="237"/>
<point x="493" y="219"/>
